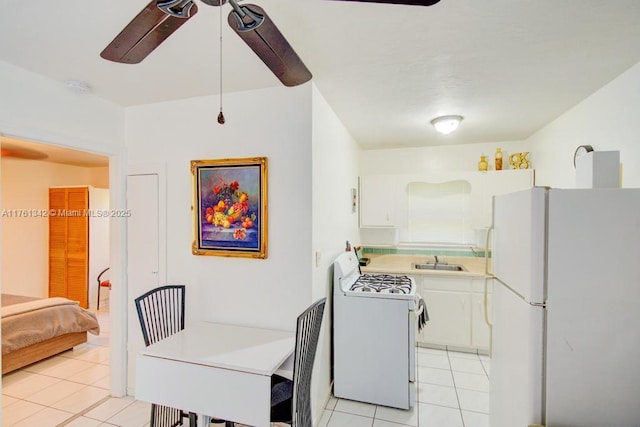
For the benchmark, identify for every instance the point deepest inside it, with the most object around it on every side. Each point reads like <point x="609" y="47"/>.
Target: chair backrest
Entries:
<point x="161" y="312"/>
<point x="101" y="273"/>
<point x="307" y="334"/>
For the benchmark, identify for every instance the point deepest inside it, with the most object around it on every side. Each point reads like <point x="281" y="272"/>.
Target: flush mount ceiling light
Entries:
<point x="446" y="124"/>
<point x="78" y="86"/>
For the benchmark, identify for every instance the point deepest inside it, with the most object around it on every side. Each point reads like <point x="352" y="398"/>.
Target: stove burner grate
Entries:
<point x="382" y="283"/>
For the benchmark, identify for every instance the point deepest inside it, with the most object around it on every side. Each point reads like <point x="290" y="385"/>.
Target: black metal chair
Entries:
<point x="291" y="399"/>
<point x="102" y="284"/>
<point x="161" y="314"/>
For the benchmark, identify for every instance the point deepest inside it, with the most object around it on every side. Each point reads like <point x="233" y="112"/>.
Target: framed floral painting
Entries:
<point x="230" y="207"/>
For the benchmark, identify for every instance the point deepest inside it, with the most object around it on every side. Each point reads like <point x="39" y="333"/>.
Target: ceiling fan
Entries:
<point x="161" y="18"/>
<point x="12" y="150"/>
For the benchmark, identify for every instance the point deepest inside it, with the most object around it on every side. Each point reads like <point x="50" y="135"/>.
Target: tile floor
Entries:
<point x="453" y="391"/>
<point x="72" y="389"/>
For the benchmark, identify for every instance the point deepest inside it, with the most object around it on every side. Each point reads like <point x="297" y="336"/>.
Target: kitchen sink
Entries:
<point x="439" y="266"/>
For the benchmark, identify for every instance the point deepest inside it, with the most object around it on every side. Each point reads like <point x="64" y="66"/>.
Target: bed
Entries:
<point x="36" y="328"/>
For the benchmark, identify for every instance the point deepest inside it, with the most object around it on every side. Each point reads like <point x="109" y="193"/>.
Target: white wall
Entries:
<point x="100" y="176"/>
<point x="40" y="109"/>
<point x="335" y="173"/>
<point x="607" y="120"/>
<point x="25" y="250"/>
<point x="98" y="243"/>
<point x="275" y="123"/>
<point x="312" y="167"/>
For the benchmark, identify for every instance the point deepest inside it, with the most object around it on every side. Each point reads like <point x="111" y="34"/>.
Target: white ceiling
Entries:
<point x="508" y="66"/>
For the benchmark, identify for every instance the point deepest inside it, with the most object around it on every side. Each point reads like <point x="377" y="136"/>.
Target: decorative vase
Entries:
<point x="482" y="164"/>
<point x="498" y="159"/>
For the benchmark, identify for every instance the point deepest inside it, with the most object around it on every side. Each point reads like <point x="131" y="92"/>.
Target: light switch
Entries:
<point x="354" y="200"/>
<point x="318" y="258"/>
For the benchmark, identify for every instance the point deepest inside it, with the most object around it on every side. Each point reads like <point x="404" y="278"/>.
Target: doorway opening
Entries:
<point x="28" y="173"/>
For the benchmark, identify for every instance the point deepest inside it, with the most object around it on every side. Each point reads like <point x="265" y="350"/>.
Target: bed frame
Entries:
<point x="37" y="352"/>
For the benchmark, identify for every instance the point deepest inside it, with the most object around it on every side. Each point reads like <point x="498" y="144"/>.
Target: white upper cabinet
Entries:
<point x="495" y="183"/>
<point x="379" y="195"/>
<point x="384" y="200"/>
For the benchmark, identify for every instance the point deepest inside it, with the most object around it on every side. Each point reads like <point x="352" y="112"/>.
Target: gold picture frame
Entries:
<point x="229" y="207"/>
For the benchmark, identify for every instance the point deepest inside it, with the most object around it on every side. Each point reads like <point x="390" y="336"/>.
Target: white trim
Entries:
<point x="159" y="170"/>
<point x="118" y="261"/>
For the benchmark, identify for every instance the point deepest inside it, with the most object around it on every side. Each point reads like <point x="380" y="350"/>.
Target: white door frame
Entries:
<point x="119" y="374"/>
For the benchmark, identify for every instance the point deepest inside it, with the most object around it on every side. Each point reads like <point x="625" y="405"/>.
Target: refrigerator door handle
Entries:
<point x="486" y="252"/>
<point x="486" y="301"/>
<point x="487" y="276"/>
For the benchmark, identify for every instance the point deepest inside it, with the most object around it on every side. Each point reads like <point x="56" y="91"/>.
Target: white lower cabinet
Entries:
<point x="449" y="318"/>
<point x="456" y="312"/>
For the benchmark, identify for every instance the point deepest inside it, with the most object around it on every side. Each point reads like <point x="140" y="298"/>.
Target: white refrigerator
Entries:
<point x="566" y="309"/>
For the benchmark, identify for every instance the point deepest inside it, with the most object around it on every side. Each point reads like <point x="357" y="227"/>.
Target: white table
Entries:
<point x="222" y="371"/>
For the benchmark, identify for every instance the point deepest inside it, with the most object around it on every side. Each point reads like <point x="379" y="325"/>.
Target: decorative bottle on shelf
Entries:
<point x="482" y="164"/>
<point x="498" y="159"/>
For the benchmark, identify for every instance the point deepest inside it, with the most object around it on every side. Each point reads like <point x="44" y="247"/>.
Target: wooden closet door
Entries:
<point x="69" y="244"/>
<point x="57" y="243"/>
<point x="78" y="245"/>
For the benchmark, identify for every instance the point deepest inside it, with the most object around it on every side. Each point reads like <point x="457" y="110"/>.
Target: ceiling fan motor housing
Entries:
<point x="247" y="19"/>
<point x="214" y="2"/>
<point x="177" y="8"/>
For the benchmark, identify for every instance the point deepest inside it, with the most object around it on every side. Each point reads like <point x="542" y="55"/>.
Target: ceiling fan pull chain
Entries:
<point x="177" y="8"/>
<point x="221" y="116"/>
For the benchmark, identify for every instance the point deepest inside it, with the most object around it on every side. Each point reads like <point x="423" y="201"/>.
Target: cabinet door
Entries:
<point x="378" y="199"/>
<point x="69" y="244"/>
<point x="496" y="183"/>
<point x="449" y="318"/>
<point x="78" y="246"/>
<point x="480" y="331"/>
<point x="57" y="244"/>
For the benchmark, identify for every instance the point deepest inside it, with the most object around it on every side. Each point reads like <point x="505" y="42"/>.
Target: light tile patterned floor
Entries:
<point x="453" y="391"/>
<point x="72" y="389"/>
<point x="64" y="389"/>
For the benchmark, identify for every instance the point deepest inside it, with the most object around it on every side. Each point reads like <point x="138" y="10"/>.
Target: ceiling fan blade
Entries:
<point x="143" y="34"/>
<point x="407" y="2"/>
<point x="253" y="25"/>
<point x="10" y="150"/>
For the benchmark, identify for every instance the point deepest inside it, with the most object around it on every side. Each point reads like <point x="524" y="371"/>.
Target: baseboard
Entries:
<point x="318" y="416"/>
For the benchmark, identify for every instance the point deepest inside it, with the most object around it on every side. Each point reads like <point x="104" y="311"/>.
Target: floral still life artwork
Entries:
<point x="230" y="207"/>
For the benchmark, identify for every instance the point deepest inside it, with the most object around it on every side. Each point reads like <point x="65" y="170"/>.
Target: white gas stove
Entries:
<point x="351" y="282"/>
<point x="375" y="323"/>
